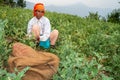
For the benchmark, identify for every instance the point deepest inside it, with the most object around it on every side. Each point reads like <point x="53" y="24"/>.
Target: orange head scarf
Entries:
<point x="38" y="6"/>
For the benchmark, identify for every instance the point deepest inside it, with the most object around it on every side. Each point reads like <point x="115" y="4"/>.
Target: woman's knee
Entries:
<point x="35" y="27"/>
<point x="36" y="30"/>
<point x="55" y="31"/>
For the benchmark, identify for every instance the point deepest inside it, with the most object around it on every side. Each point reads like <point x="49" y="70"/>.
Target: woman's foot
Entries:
<point x="52" y="46"/>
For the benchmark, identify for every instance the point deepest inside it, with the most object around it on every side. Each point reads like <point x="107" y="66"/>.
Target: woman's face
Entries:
<point x="39" y="13"/>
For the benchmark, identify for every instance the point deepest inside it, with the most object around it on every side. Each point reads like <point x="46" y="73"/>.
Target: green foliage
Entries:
<point x="88" y="49"/>
<point x="4" y="75"/>
<point x="3" y="45"/>
<point x="114" y="16"/>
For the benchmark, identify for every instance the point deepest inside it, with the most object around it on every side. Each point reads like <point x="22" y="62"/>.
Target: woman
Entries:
<point x="40" y="27"/>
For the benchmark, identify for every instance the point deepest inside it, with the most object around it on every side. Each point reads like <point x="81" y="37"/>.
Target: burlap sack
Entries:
<point x="43" y="65"/>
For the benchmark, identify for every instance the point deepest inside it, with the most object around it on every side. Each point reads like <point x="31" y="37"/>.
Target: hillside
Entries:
<point x="88" y="49"/>
<point x="78" y="9"/>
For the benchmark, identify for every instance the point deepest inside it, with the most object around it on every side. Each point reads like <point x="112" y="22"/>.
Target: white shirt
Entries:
<point x="44" y="24"/>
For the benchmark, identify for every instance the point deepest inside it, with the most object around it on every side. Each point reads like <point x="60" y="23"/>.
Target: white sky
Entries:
<point x="89" y="3"/>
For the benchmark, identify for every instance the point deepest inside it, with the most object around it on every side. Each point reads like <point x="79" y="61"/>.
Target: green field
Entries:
<point x="88" y="49"/>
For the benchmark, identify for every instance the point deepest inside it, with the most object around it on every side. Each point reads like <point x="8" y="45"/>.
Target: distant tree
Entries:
<point x="114" y="16"/>
<point x="9" y="2"/>
<point x="14" y="3"/>
<point x="94" y="16"/>
<point x="21" y="3"/>
<point x="103" y="19"/>
<point x="1" y="1"/>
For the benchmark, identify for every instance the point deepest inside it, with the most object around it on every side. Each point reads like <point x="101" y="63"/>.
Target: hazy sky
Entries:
<point x="89" y="3"/>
